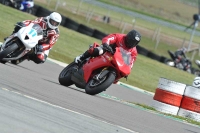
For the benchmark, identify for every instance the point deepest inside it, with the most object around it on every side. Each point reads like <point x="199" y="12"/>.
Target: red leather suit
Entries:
<point x="49" y="39"/>
<point x="119" y="40"/>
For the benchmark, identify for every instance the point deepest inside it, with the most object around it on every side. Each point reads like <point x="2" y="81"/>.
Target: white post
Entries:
<point x="154" y="34"/>
<point x="193" y="54"/>
<point x="88" y="13"/>
<point x="48" y="3"/>
<point x="133" y="21"/>
<point x="192" y="35"/>
<point x="90" y="16"/>
<point x="80" y="3"/>
<point x="121" y="23"/>
<point x="157" y="38"/>
<point x="124" y="28"/>
<point x="199" y="49"/>
<point x="183" y="43"/>
<point x="57" y="4"/>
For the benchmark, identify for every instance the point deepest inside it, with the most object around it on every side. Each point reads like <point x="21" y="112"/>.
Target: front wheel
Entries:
<point x="9" y="49"/>
<point x="94" y="86"/>
<point x="65" y="75"/>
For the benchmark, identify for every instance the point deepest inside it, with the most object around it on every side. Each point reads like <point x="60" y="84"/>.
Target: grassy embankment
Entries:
<point x="145" y="73"/>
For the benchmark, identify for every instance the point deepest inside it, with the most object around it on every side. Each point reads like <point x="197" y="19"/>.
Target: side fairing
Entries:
<point x="93" y="64"/>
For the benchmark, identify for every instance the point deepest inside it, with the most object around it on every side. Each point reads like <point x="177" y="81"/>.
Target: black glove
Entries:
<point x="39" y="48"/>
<point x="108" y="48"/>
<point x="20" y="24"/>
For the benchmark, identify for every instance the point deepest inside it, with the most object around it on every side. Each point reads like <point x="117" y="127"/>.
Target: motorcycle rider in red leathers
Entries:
<point x="50" y="35"/>
<point x="127" y="41"/>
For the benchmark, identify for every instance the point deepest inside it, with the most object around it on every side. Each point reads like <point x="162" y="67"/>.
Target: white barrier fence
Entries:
<point x="177" y="99"/>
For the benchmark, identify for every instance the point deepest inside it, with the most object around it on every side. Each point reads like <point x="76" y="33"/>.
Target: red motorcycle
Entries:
<point x="98" y="73"/>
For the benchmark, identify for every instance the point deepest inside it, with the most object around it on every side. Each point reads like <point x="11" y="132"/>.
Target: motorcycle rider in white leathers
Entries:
<point x="50" y="35"/>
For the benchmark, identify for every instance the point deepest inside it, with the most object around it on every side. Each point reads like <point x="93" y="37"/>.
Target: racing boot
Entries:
<point x="82" y="57"/>
<point x="16" y="62"/>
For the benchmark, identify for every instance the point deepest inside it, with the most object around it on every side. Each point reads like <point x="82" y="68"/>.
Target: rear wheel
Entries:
<point x="9" y="49"/>
<point x="6" y="2"/>
<point x="95" y="86"/>
<point x="65" y="75"/>
<point x="29" y="10"/>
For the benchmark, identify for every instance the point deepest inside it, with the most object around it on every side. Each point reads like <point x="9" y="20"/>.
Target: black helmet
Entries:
<point x="132" y="39"/>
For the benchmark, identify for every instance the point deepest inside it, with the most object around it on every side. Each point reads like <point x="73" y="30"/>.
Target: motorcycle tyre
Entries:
<point x="6" y="3"/>
<point x="64" y="78"/>
<point x="29" y="10"/>
<point x="8" y="50"/>
<point x="102" y="87"/>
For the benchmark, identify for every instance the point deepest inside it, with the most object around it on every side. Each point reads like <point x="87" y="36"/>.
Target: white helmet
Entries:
<point x="54" y="20"/>
<point x="196" y="82"/>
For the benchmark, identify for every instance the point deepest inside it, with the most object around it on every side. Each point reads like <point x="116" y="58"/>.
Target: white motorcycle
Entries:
<point x="21" y="44"/>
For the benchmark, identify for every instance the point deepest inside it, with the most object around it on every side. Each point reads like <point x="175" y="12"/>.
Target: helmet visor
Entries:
<point x="131" y="43"/>
<point x="53" y="22"/>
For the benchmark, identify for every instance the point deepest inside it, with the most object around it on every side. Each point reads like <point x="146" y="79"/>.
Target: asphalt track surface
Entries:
<point x="33" y="101"/>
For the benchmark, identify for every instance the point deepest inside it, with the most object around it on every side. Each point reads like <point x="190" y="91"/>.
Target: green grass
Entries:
<point x="188" y="120"/>
<point x="145" y="73"/>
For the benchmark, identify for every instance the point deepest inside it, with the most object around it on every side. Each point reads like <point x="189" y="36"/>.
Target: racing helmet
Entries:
<point x="54" y="20"/>
<point x="132" y="39"/>
<point x="196" y="82"/>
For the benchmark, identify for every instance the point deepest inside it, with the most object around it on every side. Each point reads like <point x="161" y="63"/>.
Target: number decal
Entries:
<point x="32" y="33"/>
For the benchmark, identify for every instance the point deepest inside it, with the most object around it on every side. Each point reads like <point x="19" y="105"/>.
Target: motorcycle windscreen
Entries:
<point x="123" y="60"/>
<point x="38" y="29"/>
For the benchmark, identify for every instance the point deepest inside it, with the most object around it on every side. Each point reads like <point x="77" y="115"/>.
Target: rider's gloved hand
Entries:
<point x="39" y="48"/>
<point x="20" y="24"/>
<point x="108" y="48"/>
<point x="78" y="59"/>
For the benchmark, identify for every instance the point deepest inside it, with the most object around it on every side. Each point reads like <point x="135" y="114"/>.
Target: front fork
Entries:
<point x="103" y="73"/>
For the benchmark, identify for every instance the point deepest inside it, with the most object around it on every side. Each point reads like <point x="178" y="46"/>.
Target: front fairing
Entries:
<point x="30" y="35"/>
<point x="122" y="59"/>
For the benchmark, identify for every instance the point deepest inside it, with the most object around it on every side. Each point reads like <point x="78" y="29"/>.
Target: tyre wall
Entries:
<point x="190" y="105"/>
<point x="177" y="99"/>
<point x="85" y="30"/>
<point x="42" y="12"/>
<point x="168" y="96"/>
